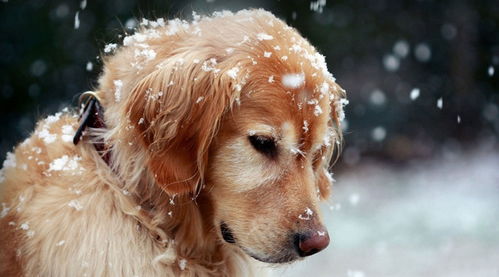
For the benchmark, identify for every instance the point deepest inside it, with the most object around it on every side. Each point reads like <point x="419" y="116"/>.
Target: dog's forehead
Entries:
<point x="297" y="116"/>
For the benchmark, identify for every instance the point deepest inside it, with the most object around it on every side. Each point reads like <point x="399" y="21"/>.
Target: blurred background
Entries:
<point x="417" y="188"/>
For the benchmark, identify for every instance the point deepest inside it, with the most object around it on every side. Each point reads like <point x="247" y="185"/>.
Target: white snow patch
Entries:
<point x="67" y="133"/>
<point x="53" y="118"/>
<point x="305" y="126"/>
<point x="267" y="54"/>
<point x="110" y="47"/>
<point x="307" y="214"/>
<point x="118" y="84"/>
<point x="324" y="88"/>
<point x="60" y="243"/>
<point x="75" y="204"/>
<point x="10" y="160"/>
<point x="329" y="176"/>
<point x="200" y="98"/>
<point x="24" y="226"/>
<point x="271" y="79"/>
<point x="233" y="72"/>
<point x="148" y="54"/>
<point x="46" y="136"/>
<point x="293" y="80"/>
<point x="264" y="36"/>
<point x="89" y="66"/>
<point x="5" y="210"/>
<point x="65" y="163"/>
<point x="339" y="105"/>
<point x="317" y="110"/>
<point x="209" y="65"/>
<point x="182" y="264"/>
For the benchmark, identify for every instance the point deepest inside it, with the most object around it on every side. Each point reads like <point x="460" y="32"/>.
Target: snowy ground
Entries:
<point x="434" y="218"/>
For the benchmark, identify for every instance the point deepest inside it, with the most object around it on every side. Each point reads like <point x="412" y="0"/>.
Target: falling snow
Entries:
<point x="490" y="71"/>
<point x="440" y="103"/>
<point x="414" y="93"/>
<point x="317" y="6"/>
<point x="77" y="20"/>
<point x="422" y="52"/>
<point x="378" y="133"/>
<point x="391" y="62"/>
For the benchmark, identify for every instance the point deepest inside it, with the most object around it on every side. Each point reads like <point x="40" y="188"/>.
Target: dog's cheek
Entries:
<point x="324" y="183"/>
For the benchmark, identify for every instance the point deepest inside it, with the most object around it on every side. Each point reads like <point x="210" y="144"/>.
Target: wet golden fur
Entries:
<point x="180" y="101"/>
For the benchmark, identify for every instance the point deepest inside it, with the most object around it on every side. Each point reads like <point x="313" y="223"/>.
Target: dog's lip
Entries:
<point x="285" y="256"/>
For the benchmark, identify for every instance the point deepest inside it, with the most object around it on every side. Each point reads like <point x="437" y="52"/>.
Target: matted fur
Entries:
<point x="180" y="99"/>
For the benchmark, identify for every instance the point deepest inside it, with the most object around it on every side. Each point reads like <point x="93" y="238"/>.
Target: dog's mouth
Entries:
<point x="282" y="256"/>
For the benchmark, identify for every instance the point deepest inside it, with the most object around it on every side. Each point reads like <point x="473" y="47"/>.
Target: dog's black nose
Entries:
<point x="309" y="243"/>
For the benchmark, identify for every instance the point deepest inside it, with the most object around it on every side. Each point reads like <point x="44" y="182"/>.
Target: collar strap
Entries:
<point x="92" y="116"/>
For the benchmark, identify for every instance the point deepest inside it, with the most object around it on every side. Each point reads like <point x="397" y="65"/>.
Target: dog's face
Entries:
<point x="250" y="121"/>
<point x="267" y="170"/>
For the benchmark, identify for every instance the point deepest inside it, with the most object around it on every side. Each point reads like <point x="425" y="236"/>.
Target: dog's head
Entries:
<point x="241" y="109"/>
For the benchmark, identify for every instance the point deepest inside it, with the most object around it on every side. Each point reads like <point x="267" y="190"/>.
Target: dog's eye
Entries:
<point x="264" y="145"/>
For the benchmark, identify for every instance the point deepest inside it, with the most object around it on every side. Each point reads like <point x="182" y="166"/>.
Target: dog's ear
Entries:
<point x="176" y="111"/>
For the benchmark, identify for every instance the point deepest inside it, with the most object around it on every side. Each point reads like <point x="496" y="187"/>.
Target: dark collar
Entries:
<point x="93" y="116"/>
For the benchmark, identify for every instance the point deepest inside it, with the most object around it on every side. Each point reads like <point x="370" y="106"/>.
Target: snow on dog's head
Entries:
<point x="218" y="106"/>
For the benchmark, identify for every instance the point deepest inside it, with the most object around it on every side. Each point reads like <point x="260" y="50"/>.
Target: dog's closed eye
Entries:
<point x="265" y="145"/>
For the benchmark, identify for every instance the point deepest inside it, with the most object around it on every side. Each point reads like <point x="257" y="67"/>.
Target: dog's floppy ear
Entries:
<point x="176" y="111"/>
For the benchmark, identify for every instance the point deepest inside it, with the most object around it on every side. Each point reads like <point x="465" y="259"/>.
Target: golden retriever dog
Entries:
<point x="205" y="148"/>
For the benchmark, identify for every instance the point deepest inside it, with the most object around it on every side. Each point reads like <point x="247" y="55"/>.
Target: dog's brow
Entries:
<point x="261" y="129"/>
